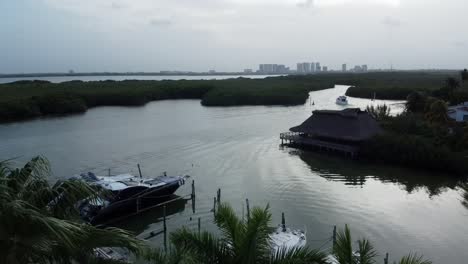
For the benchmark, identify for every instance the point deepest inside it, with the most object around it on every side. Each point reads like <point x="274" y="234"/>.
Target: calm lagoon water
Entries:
<point x="238" y="150"/>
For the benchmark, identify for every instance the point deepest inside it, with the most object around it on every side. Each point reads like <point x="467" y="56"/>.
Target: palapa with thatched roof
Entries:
<point x="334" y="130"/>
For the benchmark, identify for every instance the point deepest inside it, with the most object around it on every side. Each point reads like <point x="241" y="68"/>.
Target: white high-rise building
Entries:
<point x="300" y="68"/>
<point x="312" y="67"/>
<point x="317" y="67"/>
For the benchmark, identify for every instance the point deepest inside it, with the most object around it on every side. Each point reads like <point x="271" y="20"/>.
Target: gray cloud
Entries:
<point x="306" y="3"/>
<point x="116" y="5"/>
<point x="391" y="22"/>
<point x="160" y="22"/>
<point x="460" y="44"/>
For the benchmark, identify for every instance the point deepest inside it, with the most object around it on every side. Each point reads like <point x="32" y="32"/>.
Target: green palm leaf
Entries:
<point x="38" y="222"/>
<point x="298" y="256"/>
<point x="256" y="241"/>
<point x="231" y="227"/>
<point x="367" y="252"/>
<point x="413" y="259"/>
<point x="343" y="249"/>
<point x="204" y="246"/>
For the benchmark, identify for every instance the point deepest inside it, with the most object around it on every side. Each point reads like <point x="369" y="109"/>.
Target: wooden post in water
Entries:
<point x="283" y="222"/>
<point x="218" y="196"/>
<point x="193" y="190"/>
<point x="214" y="205"/>
<point x="199" y="225"/>
<point x="334" y="237"/>
<point x="386" y="258"/>
<point x="243" y="215"/>
<point x="193" y="196"/>
<point x="108" y="172"/>
<point x="165" y="228"/>
<point x="248" y="209"/>
<point x="139" y="171"/>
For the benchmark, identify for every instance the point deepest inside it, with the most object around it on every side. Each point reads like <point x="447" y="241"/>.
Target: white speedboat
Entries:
<point x="342" y="100"/>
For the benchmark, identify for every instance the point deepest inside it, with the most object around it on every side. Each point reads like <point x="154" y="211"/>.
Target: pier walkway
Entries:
<point x="294" y="138"/>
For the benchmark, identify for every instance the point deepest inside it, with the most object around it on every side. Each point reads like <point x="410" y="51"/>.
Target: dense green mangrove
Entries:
<point x="29" y="99"/>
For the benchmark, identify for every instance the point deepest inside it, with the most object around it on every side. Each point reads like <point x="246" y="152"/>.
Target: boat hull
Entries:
<point x="125" y="205"/>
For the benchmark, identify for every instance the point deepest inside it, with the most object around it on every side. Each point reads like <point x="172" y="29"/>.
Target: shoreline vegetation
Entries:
<point x="30" y="99"/>
<point x="423" y="136"/>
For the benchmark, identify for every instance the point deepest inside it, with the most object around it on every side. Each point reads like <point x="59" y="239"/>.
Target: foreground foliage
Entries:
<point x="365" y="253"/>
<point x="39" y="222"/>
<point x="241" y="241"/>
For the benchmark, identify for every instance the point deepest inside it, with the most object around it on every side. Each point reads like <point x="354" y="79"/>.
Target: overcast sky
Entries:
<point x="229" y="35"/>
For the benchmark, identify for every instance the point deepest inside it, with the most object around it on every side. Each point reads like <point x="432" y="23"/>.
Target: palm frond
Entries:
<point x="176" y="256"/>
<point x="66" y="194"/>
<point x="230" y="225"/>
<point x="464" y="187"/>
<point x="256" y="241"/>
<point x="298" y="256"/>
<point x="343" y="249"/>
<point x="413" y="259"/>
<point x="204" y="246"/>
<point x="36" y="170"/>
<point x="367" y="252"/>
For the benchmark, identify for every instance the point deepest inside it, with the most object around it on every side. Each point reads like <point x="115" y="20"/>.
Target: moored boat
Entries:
<point x="126" y="194"/>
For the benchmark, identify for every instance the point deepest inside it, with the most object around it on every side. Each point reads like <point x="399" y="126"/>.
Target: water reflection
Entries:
<point x="355" y="173"/>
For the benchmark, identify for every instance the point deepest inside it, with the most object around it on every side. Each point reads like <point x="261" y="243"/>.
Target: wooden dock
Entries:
<point x="298" y="139"/>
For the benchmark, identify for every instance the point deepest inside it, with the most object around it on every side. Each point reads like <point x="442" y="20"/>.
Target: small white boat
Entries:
<point x="286" y="238"/>
<point x="342" y="100"/>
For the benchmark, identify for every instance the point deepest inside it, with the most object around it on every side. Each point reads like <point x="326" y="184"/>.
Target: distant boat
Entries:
<point x="342" y="100"/>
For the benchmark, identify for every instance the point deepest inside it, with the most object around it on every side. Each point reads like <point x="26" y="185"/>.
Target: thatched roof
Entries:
<point x="350" y="124"/>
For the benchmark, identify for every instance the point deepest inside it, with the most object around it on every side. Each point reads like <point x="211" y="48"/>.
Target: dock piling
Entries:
<point x="283" y="222"/>
<point x="193" y="189"/>
<point x="334" y="236"/>
<point x="199" y="225"/>
<point x="214" y="205"/>
<point x="139" y="170"/>
<point x="248" y="209"/>
<point x="108" y="172"/>
<point x="165" y="228"/>
<point x="218" y="196"/>
<point x="386" y="258"/>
